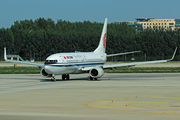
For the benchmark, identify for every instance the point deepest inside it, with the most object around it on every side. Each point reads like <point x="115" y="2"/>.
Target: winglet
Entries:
<point x="173" y="55"/>
<point x="5" y="57"/>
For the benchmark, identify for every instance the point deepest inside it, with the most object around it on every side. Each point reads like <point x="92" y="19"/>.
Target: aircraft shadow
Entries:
<point x="73" y="79"/>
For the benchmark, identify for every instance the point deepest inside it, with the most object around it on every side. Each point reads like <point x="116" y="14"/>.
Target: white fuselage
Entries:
<point x="69" y="63"/>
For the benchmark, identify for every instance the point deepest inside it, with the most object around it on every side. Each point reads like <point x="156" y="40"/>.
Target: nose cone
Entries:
<point x="55" y="69"/>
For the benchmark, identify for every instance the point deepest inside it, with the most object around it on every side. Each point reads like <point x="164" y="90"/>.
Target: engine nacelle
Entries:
<point x="96" y="72"/>
<point x="44" y="73"/>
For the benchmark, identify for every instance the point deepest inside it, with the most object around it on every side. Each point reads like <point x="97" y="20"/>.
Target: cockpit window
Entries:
<point x="50" y="62"/>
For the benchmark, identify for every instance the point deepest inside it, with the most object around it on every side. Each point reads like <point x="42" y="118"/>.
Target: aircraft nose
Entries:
<point x="48" y="69"/>
<point x="55" y="70"/>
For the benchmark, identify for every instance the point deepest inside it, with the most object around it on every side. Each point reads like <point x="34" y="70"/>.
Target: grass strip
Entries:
<point x="19" y="70"/>
<point x="36" y="70"/>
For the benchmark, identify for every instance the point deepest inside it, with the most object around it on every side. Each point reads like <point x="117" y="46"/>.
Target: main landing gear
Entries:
<point x="91" y="78"/>
<point x="65" y="76"/>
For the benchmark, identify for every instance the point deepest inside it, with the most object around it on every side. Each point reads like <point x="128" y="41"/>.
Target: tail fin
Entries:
<point x="102" y="43"/>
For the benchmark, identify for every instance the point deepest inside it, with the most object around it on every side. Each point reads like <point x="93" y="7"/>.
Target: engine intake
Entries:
<point x="44" y="73"/>
<point x="96" y="72"/>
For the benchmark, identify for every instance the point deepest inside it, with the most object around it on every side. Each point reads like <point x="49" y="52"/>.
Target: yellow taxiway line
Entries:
<point x="108" y="107"/>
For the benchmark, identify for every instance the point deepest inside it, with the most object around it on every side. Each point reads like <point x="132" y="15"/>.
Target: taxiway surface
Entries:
<point x="113" y="97"/>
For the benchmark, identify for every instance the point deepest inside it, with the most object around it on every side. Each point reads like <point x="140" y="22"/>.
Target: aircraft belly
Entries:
<point x="61" y="70"/>
<point x="58" y="70"/>
<point x="71" y="69"/>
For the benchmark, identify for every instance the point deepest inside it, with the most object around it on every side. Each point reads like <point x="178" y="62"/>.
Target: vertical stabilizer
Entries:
<point x="5" y="57"/>
<point x="102" y="43"/>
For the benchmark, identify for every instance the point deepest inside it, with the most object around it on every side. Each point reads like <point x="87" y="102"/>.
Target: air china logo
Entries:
<point x="68" y="57"/>
<point x="104" y="40"/>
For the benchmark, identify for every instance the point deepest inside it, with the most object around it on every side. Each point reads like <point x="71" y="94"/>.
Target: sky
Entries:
<point x="83" y="10"/>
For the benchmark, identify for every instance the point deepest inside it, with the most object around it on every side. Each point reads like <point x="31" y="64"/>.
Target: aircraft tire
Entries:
<point x="63" y="77"/>
<point x="67" y="77"/>
<point x="91" y="78"/>
<point x="53" y="79"/>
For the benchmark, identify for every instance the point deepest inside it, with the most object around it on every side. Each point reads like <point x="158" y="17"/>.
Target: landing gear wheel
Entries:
<point x="65" y="76"/>
<point x="91" y="78"/>
<point x="53" y="79"/>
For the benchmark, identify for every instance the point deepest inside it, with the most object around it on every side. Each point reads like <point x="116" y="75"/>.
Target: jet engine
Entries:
<point x="44" y="73"/>
<point x="96" y="72"/>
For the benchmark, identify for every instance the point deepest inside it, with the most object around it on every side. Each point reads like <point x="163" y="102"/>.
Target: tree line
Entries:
<point x="43" y="37"/>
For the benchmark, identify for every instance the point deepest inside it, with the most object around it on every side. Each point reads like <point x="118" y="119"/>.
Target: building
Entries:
<point x="135" y="25"/>
<point x="155" y="24"/>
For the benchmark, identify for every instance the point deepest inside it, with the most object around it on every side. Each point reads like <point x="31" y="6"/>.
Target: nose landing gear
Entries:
<point x="53" y="79"/>
<point x="64" y="77"/>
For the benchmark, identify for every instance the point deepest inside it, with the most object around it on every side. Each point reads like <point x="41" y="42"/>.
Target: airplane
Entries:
<point x="82" y="62"/>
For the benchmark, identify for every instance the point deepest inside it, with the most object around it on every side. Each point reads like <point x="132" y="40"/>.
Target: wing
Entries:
<point x="26" y="62"/>
<point x="110" y="55"/>
<point x="22" y="62"/>
<point x="115" y="65"/>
